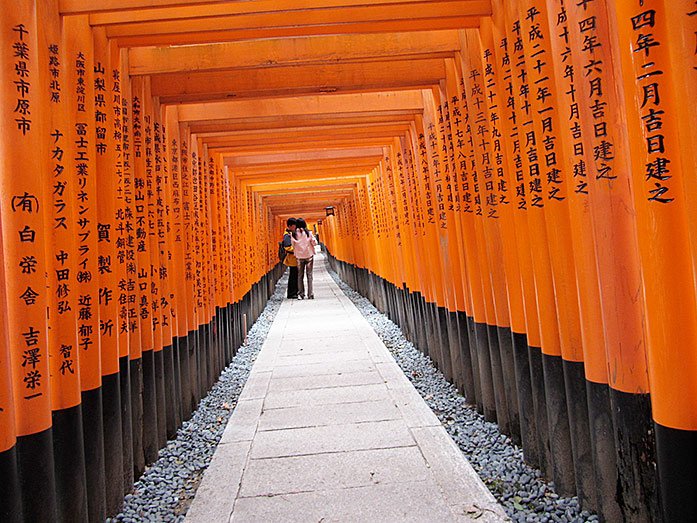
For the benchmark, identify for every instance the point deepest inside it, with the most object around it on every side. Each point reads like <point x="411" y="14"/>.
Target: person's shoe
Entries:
<point x="300" y="297"/>
<point x="312" y="297"/>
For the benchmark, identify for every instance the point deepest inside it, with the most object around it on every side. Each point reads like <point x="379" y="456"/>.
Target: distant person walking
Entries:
<point x="290" y="260"/>
<point x="304" y="247"/>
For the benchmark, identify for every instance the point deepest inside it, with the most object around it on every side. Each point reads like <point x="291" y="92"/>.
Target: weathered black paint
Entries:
<point x="558" y="423"/>
<point x="466" y="359"/>
<point x="526" y="408"/>
<point x="454" y="350"/>
<point x="505" y="339"/>
<point x="500" y="398"/>
<point x="160" y="400"/>
<point x="136" y="373"/>
<point x="636" y="456"/>
<point x="474" y="356"/>
<point x="485" y="374"/>
<point x="126" y="422"/>
<point x="539" y="399"/>
<point x="36" y="478"/>
<point x="68" y="464"/>
<point x="113" y="443"/>
<point x="677" y="471"/>
<point x="604" y="451"/>
<point x="149" y="421"/>
<point x="579" y="431"/>
<point x="10" y="492"/>
<point x="170" y="392"/>
<point x="92" y="429"/>
<point x="444" y="339"/>
<point x="192" y="345"/>
<point x="184" y="377"/>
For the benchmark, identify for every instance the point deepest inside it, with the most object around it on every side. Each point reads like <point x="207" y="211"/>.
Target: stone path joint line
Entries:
<point x="328" y="428"/>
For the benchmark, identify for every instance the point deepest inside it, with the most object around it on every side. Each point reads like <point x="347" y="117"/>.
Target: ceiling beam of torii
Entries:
<point x="306" y="146"/>
<point x="307" y="121"/>
<point x="248" y="20"/>
<point x="318" y="172"/>
<point x="298" y="80"/>
<point x="309" y="166"/>
<point x="283" y="121"/>
<point x="168" y="9"/>
<point x="243" y="161"/>
<point x="330" y="104"/>
<point x="288" y="7"/>
<point x="335" y="49"/>
<point x="301" y="136"/>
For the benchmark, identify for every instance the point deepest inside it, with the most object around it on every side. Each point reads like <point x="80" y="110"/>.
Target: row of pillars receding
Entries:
<point x="133" y="264"/>
<point x="534" y="233"/>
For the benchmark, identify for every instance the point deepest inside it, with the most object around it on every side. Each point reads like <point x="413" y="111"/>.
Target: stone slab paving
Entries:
<point x="328" y="428"/>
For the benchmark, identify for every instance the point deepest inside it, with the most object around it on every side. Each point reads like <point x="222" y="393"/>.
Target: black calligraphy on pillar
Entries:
<point x="650" y="87"/>
<point x="596" y="103"/>
<point x="54" y="83"/>
<point x="541" y="77"/>
<point x="22" y="82"/>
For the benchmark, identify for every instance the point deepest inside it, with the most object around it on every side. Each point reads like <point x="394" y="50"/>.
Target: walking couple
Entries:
<point x="299" y="244"/>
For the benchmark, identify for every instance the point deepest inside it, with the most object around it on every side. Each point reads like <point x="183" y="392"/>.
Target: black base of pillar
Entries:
<point x="677" y="471"/>
<point x="150" y="439"/>
<point x="485" y="374"/>
<point x="69" y="465"/>
<point x="113" y="443"/>
<point x="579" y="426"/>
<point x="10" y="492"/>
<point x="559" y="431"/>
<point x="92" y="425"/>
<point x="136" y="372"/>
<point x="636" y="456"/>
<point x="526" y="408"/>
<point x="505" y="337"/>
<point x="126" y="422"/>
<point x="604" y="451"/>
<point x="537" y="380"/>
<point x="501" y="401"/>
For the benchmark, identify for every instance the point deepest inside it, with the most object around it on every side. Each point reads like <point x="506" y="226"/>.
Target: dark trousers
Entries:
<point x="293" y="282"/>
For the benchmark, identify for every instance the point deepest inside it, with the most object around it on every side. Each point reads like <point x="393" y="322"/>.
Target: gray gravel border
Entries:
<point x="521" y="489"/>
<point x="167" y="487"/>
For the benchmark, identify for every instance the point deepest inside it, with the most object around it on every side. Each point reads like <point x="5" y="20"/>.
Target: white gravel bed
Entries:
<point x="521" y="489"/>
<point x="165" y="490"/>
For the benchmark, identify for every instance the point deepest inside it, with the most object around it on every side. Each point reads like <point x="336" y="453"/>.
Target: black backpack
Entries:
<point x="281" y="252"/>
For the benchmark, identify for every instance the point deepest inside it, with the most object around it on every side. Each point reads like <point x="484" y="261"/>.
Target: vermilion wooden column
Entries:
<point x="82" y="152"/>
<point x="23" y="127"/>
<point x="123" y="225"/>
<point x="10" y="489"/>
<point x="614" y="231"/>
<point x="660" y="161"/>
<point x="107" y="182"/>
<point x="61" y="258"/>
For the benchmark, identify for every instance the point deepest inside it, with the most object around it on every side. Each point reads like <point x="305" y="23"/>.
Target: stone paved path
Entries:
<point x="328" y="428"/>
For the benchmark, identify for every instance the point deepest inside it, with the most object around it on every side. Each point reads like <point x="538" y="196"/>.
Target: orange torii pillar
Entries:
<point x="662" y="169"/>
<point x="82" y="163"/>
<point x="61" y="257"/>
<point x="124" y="254"/>
<point x="108" y="149"/>
<point x="22" y="202"/>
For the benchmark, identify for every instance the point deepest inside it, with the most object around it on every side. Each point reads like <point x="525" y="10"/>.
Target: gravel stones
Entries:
<point x="165" y="490"/>
<point x="521" y="489"/>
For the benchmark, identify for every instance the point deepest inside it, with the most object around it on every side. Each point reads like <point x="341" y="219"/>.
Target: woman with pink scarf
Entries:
<point x="304" y="248"/>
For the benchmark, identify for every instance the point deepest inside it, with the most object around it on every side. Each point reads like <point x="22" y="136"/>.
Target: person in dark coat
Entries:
<point x="290" y="260"/>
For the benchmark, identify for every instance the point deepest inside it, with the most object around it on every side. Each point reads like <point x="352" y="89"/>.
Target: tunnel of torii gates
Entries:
<point x="510" y="180"/>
